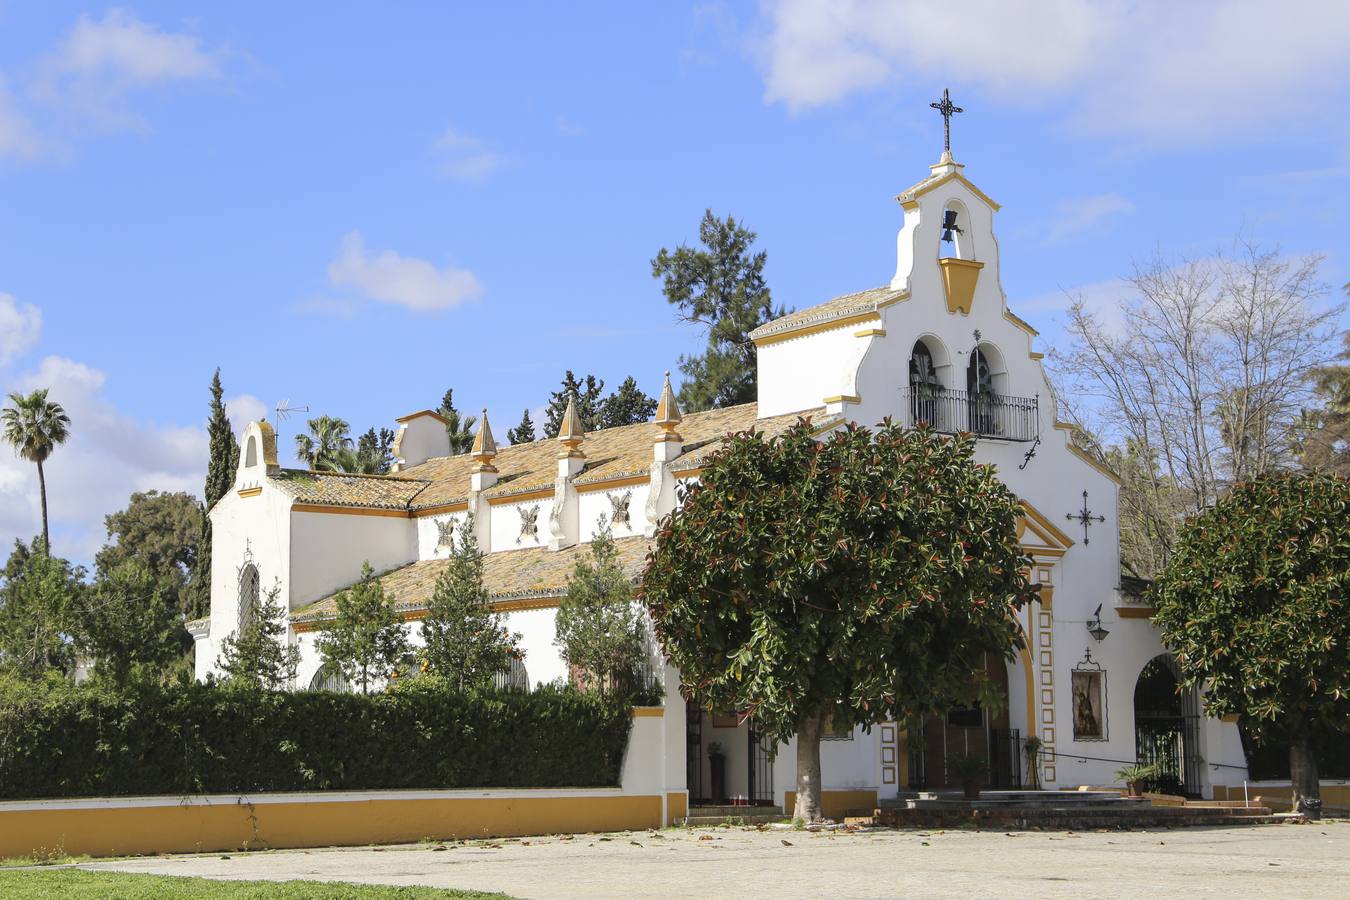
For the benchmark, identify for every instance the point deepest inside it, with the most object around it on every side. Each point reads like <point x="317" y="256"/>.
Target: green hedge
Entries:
<point x="197" y="738"/>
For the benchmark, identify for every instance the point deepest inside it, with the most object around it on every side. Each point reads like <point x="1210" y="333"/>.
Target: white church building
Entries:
<point x="937" y="343"/>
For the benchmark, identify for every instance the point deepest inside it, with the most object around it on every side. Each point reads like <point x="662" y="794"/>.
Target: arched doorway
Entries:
<point x="1167" y="728"/>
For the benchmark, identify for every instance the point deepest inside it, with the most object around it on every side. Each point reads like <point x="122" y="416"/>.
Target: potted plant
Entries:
<point x="717" y="763"/>
<point x="968" y="770"/>
<point x="1135" y="776"/>
<point x="1032" y="747"/>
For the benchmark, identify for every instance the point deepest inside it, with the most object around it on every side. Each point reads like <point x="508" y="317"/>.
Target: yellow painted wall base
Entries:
<point x="677" y="806"/>
<point x="186" y="826"/>
<point x="1280" y="799"/>
<point x="836" y="804"/>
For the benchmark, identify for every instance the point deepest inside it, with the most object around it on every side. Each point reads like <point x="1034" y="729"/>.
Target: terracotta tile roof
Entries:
<point x="508" y="575"/>
<point x="610" y="453"/>
<point x="840" y="307"/>
<point x="341" y="489"/>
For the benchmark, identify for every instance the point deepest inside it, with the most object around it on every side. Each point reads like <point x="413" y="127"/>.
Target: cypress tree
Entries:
<point x="589" y="403"/>
<point x="220" y="468"/>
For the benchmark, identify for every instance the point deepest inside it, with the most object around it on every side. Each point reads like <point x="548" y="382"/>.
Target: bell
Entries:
<point x="949" y="226"/>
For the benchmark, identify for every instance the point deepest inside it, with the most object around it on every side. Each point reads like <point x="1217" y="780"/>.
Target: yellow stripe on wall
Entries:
<point x="198" y="827"/>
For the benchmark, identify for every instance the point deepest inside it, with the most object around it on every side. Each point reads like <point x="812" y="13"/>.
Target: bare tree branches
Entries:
<point x="1197" y="382"/>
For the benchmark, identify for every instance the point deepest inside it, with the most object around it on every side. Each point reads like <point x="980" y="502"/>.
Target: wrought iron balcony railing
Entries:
<point x="984" y="415"/>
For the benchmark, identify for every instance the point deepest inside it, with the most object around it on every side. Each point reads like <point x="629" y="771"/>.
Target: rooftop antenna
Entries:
<point x="284" y="409"/>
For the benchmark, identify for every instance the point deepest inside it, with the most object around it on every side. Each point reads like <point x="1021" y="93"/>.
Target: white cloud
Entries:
<point x="243" y="409"/>
<point x="1082" y="214"/>
<point x="108" y="456"/>
<point x="465" y="157"/>
<point x="401" y="280"/>
<point x="1148" y="71"/>
<point x="87" y="82"/>
<point x="20" y="326"/>
<point x="18" y="138"/>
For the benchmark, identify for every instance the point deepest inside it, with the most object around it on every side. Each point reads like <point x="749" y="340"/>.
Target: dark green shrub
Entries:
<point x="197" y="738"/>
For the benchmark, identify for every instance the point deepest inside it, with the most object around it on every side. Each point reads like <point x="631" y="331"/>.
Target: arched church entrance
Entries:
<point x="1167" y="728"/>
<point x="967" y="731"/>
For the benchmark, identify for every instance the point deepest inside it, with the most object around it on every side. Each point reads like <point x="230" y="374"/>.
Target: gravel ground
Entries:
<point x="1270" y="861"/>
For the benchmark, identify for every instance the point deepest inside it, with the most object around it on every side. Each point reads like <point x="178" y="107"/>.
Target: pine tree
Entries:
<point x="259" y="655"/>
<point x="599" y="628"/>
<point x="222" y="463"/>
<point x="722" y="288"/>
<point x="366" y="640"/>
<point x="466" y="642"/>
<point x="588" y="393"/>
<point x="627" y="406"/>
<point x="522" y="433"/>
<point x="458" y="427"/>
<point x="375" y="451"/>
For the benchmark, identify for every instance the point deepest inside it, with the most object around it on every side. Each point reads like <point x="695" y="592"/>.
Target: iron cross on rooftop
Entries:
<point x="948" y="109"/>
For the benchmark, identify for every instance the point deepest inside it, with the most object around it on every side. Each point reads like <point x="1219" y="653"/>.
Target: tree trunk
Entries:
<point x="808" y="766"/>
<point x="42" y="489"/>
<point x="1307" y="791"/>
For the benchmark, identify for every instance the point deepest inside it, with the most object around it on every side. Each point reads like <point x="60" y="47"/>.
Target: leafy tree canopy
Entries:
<point x="259" y="657"/>
<point x="366" y="640"/>
<point x="39" y="599"/>
<point x="524" y="432"/>
<point x="599" y="627"/>
<point x="465" y="641"/>
<point x="1325" y="444"/>
<point x="1255" y="604"/>
<point x="720" y="287"/>
<point x="860" y="578"/>
<point x="161" y="531"/>
<point x="130" y="621"/>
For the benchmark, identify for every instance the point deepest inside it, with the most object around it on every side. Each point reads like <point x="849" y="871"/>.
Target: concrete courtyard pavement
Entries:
<point x="1254" y="861"/>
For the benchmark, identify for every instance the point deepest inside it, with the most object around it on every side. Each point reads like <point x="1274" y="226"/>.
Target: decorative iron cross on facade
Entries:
<point x="948" y="109"/>
<point x="1086" y="518"/>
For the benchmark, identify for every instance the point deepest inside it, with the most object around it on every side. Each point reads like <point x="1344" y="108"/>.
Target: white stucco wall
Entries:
<point x="505" y="524"/>
<point x="429" y="534"/>
<point x="328" y="549"/>
<point x="594" y="504"/>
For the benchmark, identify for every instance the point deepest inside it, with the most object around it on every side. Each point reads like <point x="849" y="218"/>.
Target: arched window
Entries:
<point x="329" y="678"/>
<point x="924" y="386"/>
<point x="251" y="452"/>
<point x="248" y="595"/>
<point x="955" y="239"/>
<point x="980" y="394"/>
<point x="516" y="678"/>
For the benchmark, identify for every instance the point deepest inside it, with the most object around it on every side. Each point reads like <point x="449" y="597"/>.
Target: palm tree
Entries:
<point x="327" y="435"/>
<point x="352" y="462"/>
<point x="34" y="426"/>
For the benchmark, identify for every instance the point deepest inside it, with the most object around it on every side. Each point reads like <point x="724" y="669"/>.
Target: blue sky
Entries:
<point x="358" y="206"/>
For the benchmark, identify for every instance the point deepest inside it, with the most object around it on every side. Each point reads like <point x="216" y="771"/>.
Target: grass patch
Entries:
<point x="78" y="884"/>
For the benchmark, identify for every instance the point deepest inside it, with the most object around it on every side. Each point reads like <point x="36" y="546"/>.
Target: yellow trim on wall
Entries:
<point x="648" y="712"/>
<point x="1020" y="322"/>
<point x="1046" y="530"/>
<point x="870" y="332"/>
<point x="1094" y="462"/>
<point x="836" y="804"/>
<point x="592" y="487"/>
<point x="1136" y="612"/>
<point x="457" y="506"/>
<point x="250" y="492"/>
<point x="842" y="398"/>
<point x="805" y="330"/>
<point x="537" y="494"/>
<point x="524" y="604"/>
<point x="1028" y="671"/>
<point x="123" y="829"/>
<point x="348" y="510"/>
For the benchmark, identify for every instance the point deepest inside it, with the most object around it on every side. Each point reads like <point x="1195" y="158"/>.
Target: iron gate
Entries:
<point x="761" y="767"/>
<point x="1167" y="742"/>
<point x="1005" y="758"/>
<point x="693" y="752"/>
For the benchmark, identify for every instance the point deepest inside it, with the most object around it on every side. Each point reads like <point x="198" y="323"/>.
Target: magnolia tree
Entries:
<point x="858" y="578"/>
<point x="1255" y="604"/>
